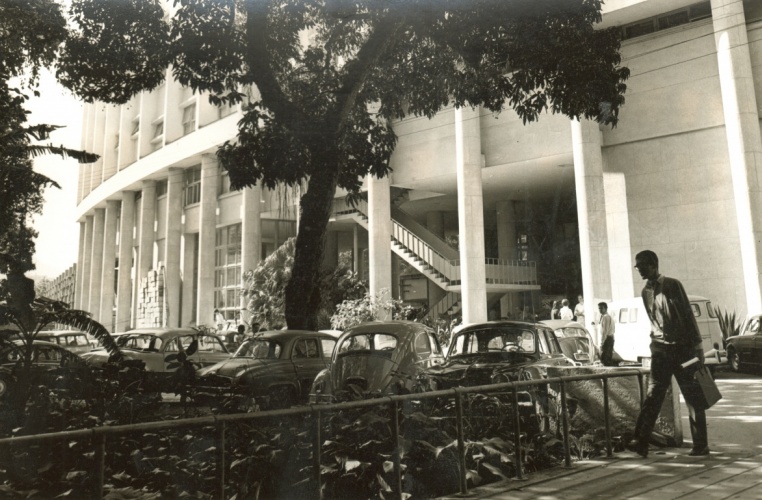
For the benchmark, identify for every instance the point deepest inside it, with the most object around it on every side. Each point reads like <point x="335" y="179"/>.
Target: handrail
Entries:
<point x="99" y="434"/>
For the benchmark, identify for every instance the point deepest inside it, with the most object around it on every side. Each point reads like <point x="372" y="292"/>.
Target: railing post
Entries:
<point x="100" y="465"/>
<point x="394" y="408"/>
<point x="606" y="417"/>
<point x="517" y="434"/>
<point x="221" y="460"/>
<point x="565" y="422"/>
<point x="461" y="441"/>
<point x="316" y="450"/>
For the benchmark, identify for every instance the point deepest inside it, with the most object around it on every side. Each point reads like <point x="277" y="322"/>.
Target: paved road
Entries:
<point x="732" y="471"/>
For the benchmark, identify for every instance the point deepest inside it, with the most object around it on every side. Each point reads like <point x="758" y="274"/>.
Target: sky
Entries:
<point x="56" y="245"/>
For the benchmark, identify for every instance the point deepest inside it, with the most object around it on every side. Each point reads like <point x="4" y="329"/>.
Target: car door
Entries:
<point x="184" y="342"/>
<point x="308" y="362"/>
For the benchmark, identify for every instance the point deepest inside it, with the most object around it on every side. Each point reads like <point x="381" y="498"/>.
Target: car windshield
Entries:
<point x="566" y="333"/>
<point x="259" y="349"/>
<point x="368" y="342"/>
<point x="140" y="342"/>
<point x="495" y="340"/>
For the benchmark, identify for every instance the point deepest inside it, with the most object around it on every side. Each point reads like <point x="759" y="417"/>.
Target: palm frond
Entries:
<point x="42" y="131"/>
<point x="36" y="150"/>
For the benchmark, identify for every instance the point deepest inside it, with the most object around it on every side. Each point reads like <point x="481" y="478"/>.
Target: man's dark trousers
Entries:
<point x="665" y="362"/>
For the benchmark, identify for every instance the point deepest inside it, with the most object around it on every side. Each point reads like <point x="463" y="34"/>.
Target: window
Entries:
<point x="224" y="183"/>
<point x="305" y="349"/>
<point x="227" y="270"/>
<point x="695" y="12"/>
<point x="189" y="119"/>
<point x="422" y="343"/>
<point x="135" y="126"/>
<point x="193" y="185"/>
<point x="696" y="309"/>
<point x="327" y="345"/>
<point x="623" y="315"/>
<point x="158" y="130"/>
<point x="161" y="188"/>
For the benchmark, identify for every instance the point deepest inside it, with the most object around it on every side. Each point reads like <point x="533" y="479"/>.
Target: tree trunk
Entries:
<point x="303" y="289"/>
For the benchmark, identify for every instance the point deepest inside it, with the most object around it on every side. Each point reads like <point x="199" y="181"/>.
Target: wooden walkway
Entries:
<point x="666" y="474"/>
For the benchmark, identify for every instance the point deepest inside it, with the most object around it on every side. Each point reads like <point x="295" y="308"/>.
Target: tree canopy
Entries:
<point x="331" y="76"/>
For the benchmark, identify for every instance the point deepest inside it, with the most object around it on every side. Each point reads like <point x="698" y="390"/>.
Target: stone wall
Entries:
<point x="151" y="306"/>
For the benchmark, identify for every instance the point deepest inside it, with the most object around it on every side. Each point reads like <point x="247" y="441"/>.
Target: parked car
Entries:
<point x="72" y="340"/>
<point x="745" y="349"/>
<point x="273" y="369"/>
<point x="53" y="366"/>
<point x="158" y="348"/>
<point x="502" y="351"/>
<point x="575" y="341"/>
<point x="381" y="357"/>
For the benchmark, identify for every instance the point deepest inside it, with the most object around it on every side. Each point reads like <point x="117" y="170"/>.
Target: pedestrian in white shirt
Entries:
<point x="566" y="313"/>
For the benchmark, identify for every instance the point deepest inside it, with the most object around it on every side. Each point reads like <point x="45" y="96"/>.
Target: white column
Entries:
<point x="591" y="214"/>
<point x="744" y="145"/>
<point x="356" y="250"/>
<point x="172" y="239"/>
<point x="96" y="264"/>
<point x="105" y="315"/>
<point x="206" y="240"/>
<point x="79" y="284"/>
<point x="124" y="286"/>
<point x="146" y="239"/>
<point x="379" y="238"/>
<point x="86" y="263"/>
<point x="251" y="235"/>
<point x="189" y="267"/>
<point x="473" y="279"/>
<point x="506" y="247"/>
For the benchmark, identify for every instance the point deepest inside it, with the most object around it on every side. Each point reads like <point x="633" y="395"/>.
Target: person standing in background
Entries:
<point x="607" y="335"/>
<point x="554" y="314"/>
<point x="579" y="311"/>
<point x="565" y="312"/>
<point x="675" y="339"/>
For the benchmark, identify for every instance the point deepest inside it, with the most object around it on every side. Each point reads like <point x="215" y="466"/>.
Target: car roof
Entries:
<point x="284" y="335"/>
<point x="562" y="323"/>
<point x="391" y="327"/>
<point x="20" y="342"/>
<point x="58" y="333"/>
<point x="486" y="324"/>
<point x="162" y="332"/>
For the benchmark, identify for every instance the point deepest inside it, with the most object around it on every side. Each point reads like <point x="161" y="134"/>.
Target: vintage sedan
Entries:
<point x="52" y="366"/>
<point x="72" y="340"/>
<point x="271" y="370"/>
<point x="378" y="357"/>
<point x="158" y="348"/>
<point x="502" y="351"/>
<point x="745" y="350"/>
<point x="575" y="341"/>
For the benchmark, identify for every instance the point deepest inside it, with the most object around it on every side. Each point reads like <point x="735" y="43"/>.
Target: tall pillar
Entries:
<point x="591" y="214"/>
<point x="206" y="239"/>
<point x="743" y="135"/>
<point x="468" y="158"/>
<point x="78" y="283"/>
<point x="96" y="263"/>
<point x="251" y="235"/>
<point x="146" y="238"/>
<point x="124" y="285"/>
<point x="506" y="247"/>
<point x="189" y="267"/>
<point x="86" y="262"/>
<point x="106" y="313"/>
<point x="172" y="239"/>
<point x="379" y="237"/>
<point x="356" y="250"/>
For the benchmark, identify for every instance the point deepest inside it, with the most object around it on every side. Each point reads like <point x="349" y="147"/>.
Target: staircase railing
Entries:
<point x="441" y="259"/>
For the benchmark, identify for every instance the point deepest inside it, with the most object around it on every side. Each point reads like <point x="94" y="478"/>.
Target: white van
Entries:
<point x="633" y="329"/>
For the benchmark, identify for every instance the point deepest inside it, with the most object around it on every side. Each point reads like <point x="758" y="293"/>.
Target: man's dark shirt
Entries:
<point x="670" y="312"/>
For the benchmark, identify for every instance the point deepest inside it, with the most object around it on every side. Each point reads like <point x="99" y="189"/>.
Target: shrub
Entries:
<point x="730" y="324"/>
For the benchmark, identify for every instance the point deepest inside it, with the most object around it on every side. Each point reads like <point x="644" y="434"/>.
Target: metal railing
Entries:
<point x="99" y="435"/>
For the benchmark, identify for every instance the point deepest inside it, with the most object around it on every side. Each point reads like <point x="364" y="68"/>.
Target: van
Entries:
<point x="633" y="328"/>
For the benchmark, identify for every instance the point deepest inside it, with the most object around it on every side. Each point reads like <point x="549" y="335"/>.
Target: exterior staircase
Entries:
<point x="438" y="261"/>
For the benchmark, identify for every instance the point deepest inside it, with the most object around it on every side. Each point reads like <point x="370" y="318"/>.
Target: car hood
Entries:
<point x="479" y="369"/>
<point x="370" y="372"/>
<point x="96" y="358"/>
<point x="235" y="367"/>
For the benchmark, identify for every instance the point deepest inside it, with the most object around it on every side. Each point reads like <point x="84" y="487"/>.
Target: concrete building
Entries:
<point x="557" y="207"/>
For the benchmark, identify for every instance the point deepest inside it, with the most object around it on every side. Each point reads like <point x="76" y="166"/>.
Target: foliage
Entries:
<point x="331" y="76"/>
<point x="730" y="324"/>
<point x="352" y="312"/>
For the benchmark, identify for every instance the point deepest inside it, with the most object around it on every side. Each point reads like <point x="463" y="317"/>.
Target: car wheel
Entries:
<point x="5" y="385"/>
<point x="734" y="360"/>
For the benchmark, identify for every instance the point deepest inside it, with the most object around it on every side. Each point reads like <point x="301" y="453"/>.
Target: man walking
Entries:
<point x="607" y="334"/>
<point x="675" y="338"/>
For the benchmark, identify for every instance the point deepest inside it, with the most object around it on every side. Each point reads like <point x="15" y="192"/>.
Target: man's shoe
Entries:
<point x="639" y="448"/>
<point x="699" y="452"/>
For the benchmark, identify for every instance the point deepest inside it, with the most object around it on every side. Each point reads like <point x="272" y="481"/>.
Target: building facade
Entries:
<point x="482" y="214"/>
